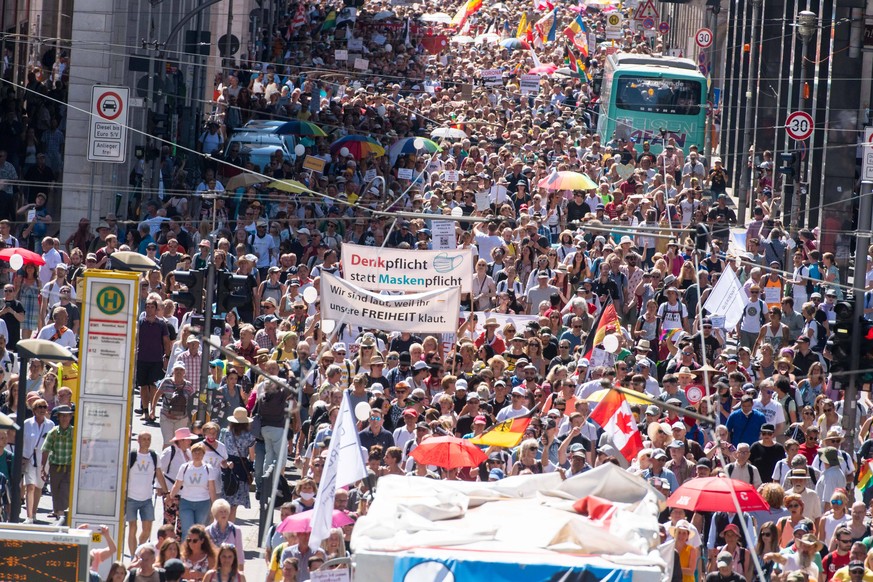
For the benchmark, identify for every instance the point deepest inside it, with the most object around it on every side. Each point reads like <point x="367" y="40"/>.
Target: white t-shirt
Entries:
<point x="672" y="315"/>
<point x="751" y="321"/>
<point x="263" y="248"/>
<point x="52" y="259"/>
<point x="487" y="243"/>
<point x="215" y="458"/>
<point x="773" y="411"/>
<point x="140" y="479"/>
<point x="403" y="436"/>
<point x="195" y="486"/>
<point x="67" y="339"/>
<point x="507" y="413"/>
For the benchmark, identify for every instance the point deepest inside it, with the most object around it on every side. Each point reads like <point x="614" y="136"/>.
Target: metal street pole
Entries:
<point x="202" y="395"/>
<point x="745" y="176"/>
<point x="29" y="349"/>
<point x="806" y="23"/>
<point x="708" y="146"/>
<point x="228" y="35"/>
<point x="18" y="465"/>
<point x="850" y="399"/>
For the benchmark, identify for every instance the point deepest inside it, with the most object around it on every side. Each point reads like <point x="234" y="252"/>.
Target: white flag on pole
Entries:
<point x="344" y="465"/>
<point x="727" y="299"/>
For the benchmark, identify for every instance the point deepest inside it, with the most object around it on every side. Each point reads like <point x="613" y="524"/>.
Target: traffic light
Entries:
<point x="192" y="298"/>
<point x="158" y="124"/>
<point x="840" y="341"/>
<point x="233" y="291"/>
<point x="790" y="164"/>
<point x="866" y="348"/>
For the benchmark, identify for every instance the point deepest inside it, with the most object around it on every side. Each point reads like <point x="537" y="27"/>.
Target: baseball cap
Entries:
<point x="724" y="559"/>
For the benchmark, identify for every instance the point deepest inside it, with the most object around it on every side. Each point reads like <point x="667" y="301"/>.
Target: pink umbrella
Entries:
<point x="300" y="522"/>
<point x="543" y="70"/>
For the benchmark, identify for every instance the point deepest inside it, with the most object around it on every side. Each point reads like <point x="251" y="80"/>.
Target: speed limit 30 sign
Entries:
<point x="799" y="125"/>
<point x="703" y="38"/>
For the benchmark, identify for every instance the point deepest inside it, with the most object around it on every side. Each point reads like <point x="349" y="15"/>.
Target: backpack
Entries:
<point x="132" y="459"/>
<point x="730" y="471"/>
<point x="271" y="407"/>
<point x="177" y="402"/>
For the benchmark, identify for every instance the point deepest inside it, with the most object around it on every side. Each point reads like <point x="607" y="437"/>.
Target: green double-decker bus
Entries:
<point x="651" y="99"/>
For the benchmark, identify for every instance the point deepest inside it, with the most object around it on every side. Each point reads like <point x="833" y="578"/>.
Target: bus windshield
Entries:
<point x="657" y="95"/>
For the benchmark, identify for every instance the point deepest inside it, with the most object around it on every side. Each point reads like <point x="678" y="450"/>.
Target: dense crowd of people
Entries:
<point x="649" y="243"/>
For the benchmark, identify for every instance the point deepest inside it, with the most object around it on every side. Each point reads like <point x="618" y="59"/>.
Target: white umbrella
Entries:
<point x="384" y="15"/>
<point x="461" y="39"/>
<point x="439" y="17"/>
<point x="487" y="37"/>
<point x="448" y="133"/>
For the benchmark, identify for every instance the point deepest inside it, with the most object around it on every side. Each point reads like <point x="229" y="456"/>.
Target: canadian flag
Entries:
<point x="613" y="413"/>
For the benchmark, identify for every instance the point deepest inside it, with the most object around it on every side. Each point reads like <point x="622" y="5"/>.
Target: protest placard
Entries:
<point x="429" y="311"/>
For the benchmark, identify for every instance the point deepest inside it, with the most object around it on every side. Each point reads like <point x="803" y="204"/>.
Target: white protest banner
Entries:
<point x="355" y="44"/>
<point x="427" y="312"/>
<point x="450" y="176"/>
<point x="443" y="233"/>
<point x="404" y="174"/>
<point x="370" y="175"/>
<point x="727" y="299"/>
<point x="341" y="55"/>
<point x="530" y="84"/>
<point x="344" y="465"/>
<point x="362" y="64"/>
<point x="384" y="269"/>
<point x="492" y="77"/>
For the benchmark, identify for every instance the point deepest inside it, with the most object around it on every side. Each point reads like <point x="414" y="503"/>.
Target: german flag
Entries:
<point x="607" y="322"/>
<point x="505" y="434"/>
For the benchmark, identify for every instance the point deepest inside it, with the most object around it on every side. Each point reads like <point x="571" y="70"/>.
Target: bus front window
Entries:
<point x="657" y="95"/>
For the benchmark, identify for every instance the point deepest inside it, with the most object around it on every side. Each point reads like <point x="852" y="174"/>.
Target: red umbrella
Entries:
<point x="714" y="494"/>
<point x="300" y="522"/>
<point x="543" y="70"/>
<point x="26" y="255"/>
<point x="448" y="452"/>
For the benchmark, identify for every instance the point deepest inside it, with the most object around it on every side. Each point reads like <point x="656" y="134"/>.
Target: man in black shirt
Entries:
<point x="577" y="208"/>
<point x="766" y="453"/>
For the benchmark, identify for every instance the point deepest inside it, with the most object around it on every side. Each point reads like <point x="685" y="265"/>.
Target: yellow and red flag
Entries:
<point x="465" y="11"/>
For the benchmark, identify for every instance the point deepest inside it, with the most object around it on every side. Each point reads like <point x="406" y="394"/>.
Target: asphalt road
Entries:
<point x="247" y="519"/>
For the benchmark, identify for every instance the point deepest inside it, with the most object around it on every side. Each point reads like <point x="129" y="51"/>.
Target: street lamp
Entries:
<point x="807" y="26"/>
<point x="751" y="112"/>
<point x="29" y="349"/>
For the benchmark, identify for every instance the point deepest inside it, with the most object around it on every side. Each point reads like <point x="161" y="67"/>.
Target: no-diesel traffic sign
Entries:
<point x="107" y="136"/>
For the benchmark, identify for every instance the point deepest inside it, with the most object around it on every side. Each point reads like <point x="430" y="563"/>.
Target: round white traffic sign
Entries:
<point x="799" y="125"/>
<point x="703" y="38"/>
